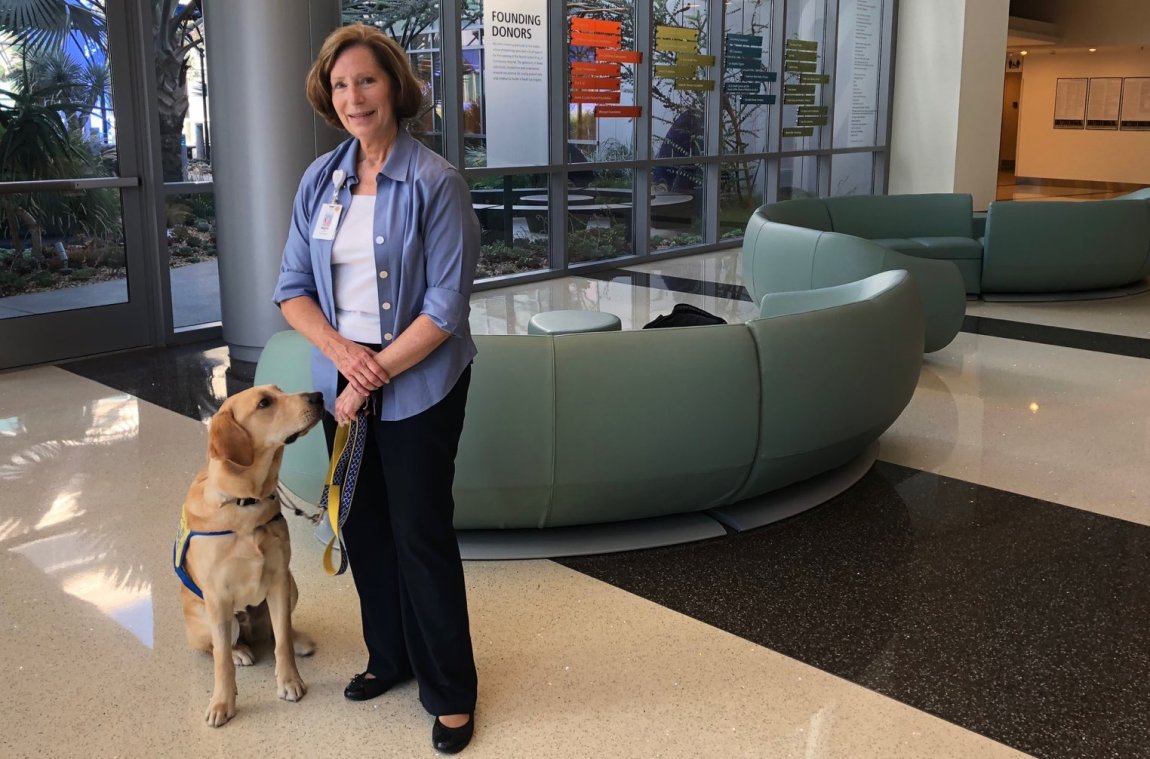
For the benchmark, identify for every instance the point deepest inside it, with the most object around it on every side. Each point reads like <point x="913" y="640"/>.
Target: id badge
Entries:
<point x="328" y="220"/>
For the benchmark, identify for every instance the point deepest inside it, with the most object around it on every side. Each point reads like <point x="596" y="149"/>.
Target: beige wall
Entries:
<point x="1095" y="155"/>
<point x="949" y="62"/>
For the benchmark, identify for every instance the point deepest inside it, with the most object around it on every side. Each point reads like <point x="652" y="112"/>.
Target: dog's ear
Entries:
<point x="228" y="441"/>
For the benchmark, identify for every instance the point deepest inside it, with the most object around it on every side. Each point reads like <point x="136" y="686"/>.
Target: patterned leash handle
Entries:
<point x="342" y="473"/>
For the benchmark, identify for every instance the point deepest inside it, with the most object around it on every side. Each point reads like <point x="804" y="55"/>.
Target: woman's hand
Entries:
<point x="348" y="404"/>
<point x="358" y="365"/>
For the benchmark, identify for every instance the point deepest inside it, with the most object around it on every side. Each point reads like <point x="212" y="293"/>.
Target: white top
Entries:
<point x="353" y="273"/>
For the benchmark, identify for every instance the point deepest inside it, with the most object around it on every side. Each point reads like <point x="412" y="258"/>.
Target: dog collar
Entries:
<point x="250" y="501"/>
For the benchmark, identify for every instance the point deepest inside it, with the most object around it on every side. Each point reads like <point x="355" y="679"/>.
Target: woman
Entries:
<point x="377" y="275"/>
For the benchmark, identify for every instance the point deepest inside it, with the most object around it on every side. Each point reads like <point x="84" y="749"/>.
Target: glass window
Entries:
<point x="513" y="216"/>
<point x="805" y="90"/>
<point x="852" y="174"/>
<point x="601" y="81"/>
<point x="750" y="84"/>
<point x="857" y="65"/>
<point x="679" y="81"/>
<point x="56" y="97"/>
<point x="740" y="193"/>
<point x="181" y="92"/>
<point x="195" y="279"/>
<point x="600" y="213"/>
<point x="66" y="252"/>
<point x="505" y="83"/>
<point x="799" y="177"/>
<point x="676" y="216"/>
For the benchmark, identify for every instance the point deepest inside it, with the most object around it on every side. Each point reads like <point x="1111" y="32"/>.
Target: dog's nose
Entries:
<point x="315" y="399"/>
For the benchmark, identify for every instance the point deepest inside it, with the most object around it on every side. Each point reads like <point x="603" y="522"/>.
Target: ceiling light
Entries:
<point x="1094" y="50"/>
<point x="1023" y="53"/>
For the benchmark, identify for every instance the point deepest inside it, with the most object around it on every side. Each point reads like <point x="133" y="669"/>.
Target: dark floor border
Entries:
<point x="918" y="586"/>
<point x="674" y="284"/>
<point x="1063" y="337"/>
<point x="1083" y="183"/>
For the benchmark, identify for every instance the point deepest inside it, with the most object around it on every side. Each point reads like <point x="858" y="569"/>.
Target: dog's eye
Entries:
<point x="264" y="403"/>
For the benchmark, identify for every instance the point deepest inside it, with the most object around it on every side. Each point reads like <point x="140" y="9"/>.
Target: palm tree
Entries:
<point x="177" y="33"/>
<point x="34" y="144"/>
<point x="44" y="26"/>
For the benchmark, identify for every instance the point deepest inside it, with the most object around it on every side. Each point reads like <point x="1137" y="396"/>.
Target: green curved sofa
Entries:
<point x="809" y="243"/>
<point x="1020" y="248"/>
<point x="592" y="428"/>
<point x="1047" y="246"/>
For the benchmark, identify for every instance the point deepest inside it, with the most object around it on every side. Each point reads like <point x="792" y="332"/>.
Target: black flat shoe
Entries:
<point x="451" y="740"/>
<point x="362" y="687"/>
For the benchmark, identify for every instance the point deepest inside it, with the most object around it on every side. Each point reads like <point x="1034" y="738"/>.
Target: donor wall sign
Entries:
<point x="515" y="81"/>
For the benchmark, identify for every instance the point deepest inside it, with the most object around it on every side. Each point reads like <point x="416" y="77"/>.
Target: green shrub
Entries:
<point x="10" y="283"/>
<point x="595" y="243"/>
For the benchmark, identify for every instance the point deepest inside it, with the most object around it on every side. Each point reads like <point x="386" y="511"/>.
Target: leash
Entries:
<point x="339" y="490"/>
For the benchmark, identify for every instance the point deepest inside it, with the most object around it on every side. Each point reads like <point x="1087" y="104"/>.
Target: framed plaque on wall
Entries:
<point x="1103" y="103"/>
<point x="1135" y="104"/>
<point x="1070" y="103"/>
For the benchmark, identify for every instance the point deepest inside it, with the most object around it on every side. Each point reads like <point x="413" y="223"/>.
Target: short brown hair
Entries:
<point x="406" y="89"/>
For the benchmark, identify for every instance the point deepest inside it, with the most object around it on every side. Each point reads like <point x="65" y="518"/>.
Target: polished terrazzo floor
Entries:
<point x="981" y="592"/>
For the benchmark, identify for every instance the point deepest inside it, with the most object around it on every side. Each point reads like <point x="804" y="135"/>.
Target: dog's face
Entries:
<point x="259" y="419"/>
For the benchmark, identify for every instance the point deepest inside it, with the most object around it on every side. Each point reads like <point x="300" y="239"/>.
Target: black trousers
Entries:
<point x="404" y="557"/>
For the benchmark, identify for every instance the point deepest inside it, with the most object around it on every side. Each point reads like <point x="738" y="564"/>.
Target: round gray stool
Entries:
<point x="568" y="322"/>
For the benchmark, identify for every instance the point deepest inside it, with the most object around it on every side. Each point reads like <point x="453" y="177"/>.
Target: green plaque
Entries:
<point x="694" y="59"/>
<point x="798" y="99"/>
<point x="676" y="33"/>
<point x="811" y="121"/>
<point x="743" y="63"/>
<point x="759" y="74"/>
<point x="814" y="78"/>
<point x="812" y="110"/>
<point x="741" y="88"/>
<point x="802" y="44"/>
<point x="676" y="46"/>
<point x="798" y="89"/>
<point x="803" y="131"/>
<point x="800" y="55"/>
<point x="676" y="72"/>
<point x="800" y="66"/>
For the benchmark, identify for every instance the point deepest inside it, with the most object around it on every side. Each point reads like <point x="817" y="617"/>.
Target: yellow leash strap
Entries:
<point x="339" y="490"/>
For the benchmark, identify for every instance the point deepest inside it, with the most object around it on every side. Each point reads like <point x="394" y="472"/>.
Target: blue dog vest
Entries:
<point x="184" y="539"/>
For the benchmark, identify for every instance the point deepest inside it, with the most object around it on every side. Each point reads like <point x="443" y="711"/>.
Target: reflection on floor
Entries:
<point x="981" y="592"/>
<point x="1011" y="187"/>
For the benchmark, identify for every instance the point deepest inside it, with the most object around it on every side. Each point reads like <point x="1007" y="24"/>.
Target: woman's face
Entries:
<point x="361" y="95"/>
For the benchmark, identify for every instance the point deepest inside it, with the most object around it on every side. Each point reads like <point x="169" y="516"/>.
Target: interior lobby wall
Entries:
<point x="947" y="111"/>
<point x="1078" y="154"/>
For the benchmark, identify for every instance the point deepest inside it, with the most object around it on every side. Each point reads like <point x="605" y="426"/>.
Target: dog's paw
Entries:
<point x="302" y="644"/>
<point x="220" y="711"/>
<point x="290" y="688"/>
<point x="242" y="655"/>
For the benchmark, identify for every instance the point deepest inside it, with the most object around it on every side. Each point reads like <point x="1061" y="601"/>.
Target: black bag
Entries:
<point x="685" y="315"/>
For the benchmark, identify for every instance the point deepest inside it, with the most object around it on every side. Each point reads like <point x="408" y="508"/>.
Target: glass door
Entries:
<point x="72" y="216"/>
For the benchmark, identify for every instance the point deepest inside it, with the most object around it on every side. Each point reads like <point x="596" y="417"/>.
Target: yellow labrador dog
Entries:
<point x="232" y="551"/>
